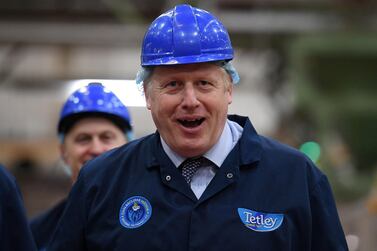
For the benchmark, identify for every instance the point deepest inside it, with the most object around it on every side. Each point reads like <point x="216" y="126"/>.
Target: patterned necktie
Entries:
<point x="190" y="166"/>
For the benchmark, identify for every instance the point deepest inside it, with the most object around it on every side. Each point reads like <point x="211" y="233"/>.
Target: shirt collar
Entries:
<point x="217" y="154"/>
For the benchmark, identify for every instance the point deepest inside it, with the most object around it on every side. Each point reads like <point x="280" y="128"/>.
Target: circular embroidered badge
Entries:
<point x="134" y="212"/>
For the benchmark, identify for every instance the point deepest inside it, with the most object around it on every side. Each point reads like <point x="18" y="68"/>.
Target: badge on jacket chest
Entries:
<point x="134" y="212"/>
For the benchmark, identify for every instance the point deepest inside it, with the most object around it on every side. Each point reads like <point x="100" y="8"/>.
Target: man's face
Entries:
<point x="88" y="138"/>
<point x="189" y="105"/>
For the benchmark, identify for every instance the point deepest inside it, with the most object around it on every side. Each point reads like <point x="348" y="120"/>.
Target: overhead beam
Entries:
<point x="253" y="22"/>
<point x="71" y="33"/>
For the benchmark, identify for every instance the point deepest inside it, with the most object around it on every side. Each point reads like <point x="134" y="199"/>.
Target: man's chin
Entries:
<point x="191" y="150"/>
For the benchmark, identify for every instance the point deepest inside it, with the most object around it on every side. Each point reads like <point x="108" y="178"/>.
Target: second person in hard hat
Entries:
<point x="92" y="121"/>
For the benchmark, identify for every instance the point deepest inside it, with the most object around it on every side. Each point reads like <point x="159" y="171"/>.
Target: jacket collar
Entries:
<point x="250" y="142"/>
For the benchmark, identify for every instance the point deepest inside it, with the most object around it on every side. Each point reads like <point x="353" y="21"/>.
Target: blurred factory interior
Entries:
<point x="308" y="78"/>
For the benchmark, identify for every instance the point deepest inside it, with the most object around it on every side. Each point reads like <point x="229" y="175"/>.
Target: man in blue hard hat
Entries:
<point x="205" y="180"/>
<point x="92" y="121"/>
<point x="15" y="234"/>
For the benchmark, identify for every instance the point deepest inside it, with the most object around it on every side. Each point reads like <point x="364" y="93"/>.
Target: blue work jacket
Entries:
<point x="43" y="225"/>
<point x="15" y="234"/>
<point x="265" y="196"/>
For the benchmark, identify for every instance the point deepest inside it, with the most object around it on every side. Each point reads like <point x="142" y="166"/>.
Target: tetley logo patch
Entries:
<point x="260" y="222"/>
<point x="134" y="212"/>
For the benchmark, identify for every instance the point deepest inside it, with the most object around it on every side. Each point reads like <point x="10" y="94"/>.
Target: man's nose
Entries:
<point x="190" y="97"/>
<point x="97" y="147"/>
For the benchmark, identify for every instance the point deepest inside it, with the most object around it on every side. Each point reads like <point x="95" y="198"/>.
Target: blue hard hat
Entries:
<point x="93" y="100"/>
<point x="185" y="35"/>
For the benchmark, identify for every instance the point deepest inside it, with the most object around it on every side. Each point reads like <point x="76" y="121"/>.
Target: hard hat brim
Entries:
<point x="66" y="124"/>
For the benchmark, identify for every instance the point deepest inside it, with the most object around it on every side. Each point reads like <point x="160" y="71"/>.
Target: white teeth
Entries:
<point x="191" y="120"/>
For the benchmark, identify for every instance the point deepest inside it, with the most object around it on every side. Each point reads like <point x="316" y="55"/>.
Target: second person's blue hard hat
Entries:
<point x="93" y="100"/>
<point x="185" y="35"/>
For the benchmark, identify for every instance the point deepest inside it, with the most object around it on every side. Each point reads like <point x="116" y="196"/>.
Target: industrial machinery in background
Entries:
<point x="335" y="81"/>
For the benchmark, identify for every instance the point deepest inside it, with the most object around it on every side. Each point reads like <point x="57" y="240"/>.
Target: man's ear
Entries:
<point x="147" y="96"/>
<point x="230" y="92"/>
<point x="63" y="152"/>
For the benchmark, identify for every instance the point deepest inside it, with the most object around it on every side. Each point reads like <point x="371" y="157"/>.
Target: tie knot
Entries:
<point x="190" y="166"/>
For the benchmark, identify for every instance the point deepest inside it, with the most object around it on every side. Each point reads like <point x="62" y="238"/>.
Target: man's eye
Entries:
<point x="203" y="82"/>
<point x="172" y="84"/>
<point x="82" y="139"/>
<point x="107" y="137"/>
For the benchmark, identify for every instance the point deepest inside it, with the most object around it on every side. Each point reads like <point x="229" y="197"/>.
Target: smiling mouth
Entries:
<point x="191" y="123"/>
